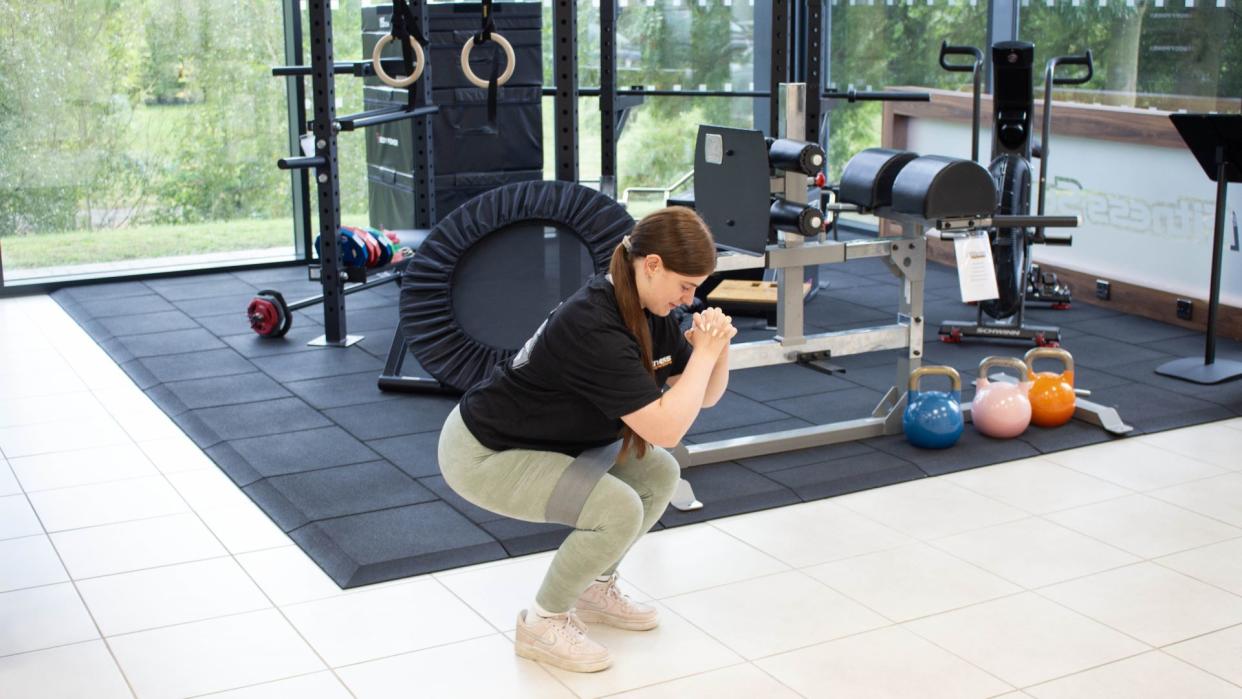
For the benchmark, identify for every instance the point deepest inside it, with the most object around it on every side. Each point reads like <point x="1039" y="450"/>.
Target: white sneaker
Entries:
<point x="559" y="640"/>
<point x="604" y="603"/>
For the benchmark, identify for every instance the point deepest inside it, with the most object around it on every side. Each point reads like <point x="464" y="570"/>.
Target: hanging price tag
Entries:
<point x="975" y="274"/>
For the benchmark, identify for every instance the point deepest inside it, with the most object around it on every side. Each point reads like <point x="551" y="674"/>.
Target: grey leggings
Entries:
<point x="517" y="483"/>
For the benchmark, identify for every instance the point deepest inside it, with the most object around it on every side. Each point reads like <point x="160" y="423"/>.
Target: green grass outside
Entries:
<point x="150" y="242"/>
<point x="143" y="242"/>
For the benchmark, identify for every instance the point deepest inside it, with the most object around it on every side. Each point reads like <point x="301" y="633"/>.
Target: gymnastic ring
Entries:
<point x="510" y="61"/>
<point x="377" y="63"/>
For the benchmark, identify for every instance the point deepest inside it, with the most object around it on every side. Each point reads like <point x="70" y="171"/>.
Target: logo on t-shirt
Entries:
<point x="661" y="363"/>
<point x="523" y="356"/>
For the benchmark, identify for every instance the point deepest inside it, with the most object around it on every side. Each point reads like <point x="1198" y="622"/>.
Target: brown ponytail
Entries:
<point x="685" y="245"/>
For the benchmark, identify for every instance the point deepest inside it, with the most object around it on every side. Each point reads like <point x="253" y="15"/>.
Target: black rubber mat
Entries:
<point x="350" y="473"/>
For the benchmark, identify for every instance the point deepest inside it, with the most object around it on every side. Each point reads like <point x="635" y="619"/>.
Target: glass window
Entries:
<point x="891" y="43"/>
<point x="150" y="145"/>
<point x="661" y="45"/>
<point x="1163" y="54"/>
<point x="655" y="152"/>
<point x="1126" y="173"/>
<point x="686" y="44"/>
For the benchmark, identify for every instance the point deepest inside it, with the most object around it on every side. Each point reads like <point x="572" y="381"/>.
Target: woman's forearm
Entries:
<point x="719" y="380"/>
<point x="665" y="421"/>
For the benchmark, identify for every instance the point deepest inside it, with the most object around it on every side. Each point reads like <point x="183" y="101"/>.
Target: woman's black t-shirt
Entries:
<point x="567" y="389"/>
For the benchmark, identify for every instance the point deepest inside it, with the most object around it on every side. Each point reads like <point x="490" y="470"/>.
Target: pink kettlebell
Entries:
<point x="1001" y="409"/>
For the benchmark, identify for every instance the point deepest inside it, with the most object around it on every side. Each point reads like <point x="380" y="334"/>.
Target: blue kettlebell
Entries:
<point x="933" y="419"/>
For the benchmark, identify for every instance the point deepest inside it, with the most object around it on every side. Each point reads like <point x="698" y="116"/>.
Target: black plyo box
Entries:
<point x="464" y="139"/>
<point x="390" y="194"/>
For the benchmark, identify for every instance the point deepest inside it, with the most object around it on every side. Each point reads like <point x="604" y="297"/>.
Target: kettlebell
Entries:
<point x="1001" y="410"/>
<point x="933" y="419"/>
<point x="1052" y="395"/>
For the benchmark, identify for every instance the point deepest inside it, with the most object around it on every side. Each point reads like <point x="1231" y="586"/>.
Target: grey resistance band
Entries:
<point x="575" y="486"/>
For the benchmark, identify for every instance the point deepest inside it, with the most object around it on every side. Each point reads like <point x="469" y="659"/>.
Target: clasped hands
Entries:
<point x="711" y="327"/>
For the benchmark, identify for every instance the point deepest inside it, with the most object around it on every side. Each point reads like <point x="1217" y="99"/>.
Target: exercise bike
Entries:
<point x="1017" y="279"/>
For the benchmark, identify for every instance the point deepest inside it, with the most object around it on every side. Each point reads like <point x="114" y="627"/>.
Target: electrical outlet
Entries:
<point x="1102" y="289"/>
<point x="1185" y="308"/>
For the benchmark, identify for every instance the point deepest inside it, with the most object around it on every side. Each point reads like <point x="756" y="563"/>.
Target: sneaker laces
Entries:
<point x="569" y="624"/>
<point x="612" y="591"/>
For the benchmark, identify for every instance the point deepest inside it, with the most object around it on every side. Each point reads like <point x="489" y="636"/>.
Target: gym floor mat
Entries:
<point x="350" y="473"/>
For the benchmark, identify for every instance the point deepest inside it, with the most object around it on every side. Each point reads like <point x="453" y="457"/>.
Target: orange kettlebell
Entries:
<point x="1052" y="395"/>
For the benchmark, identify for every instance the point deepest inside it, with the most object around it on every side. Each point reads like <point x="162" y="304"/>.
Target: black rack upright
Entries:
<point x="324" y="126"/>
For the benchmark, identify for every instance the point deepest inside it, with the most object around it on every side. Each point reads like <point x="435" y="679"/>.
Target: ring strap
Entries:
<point x="405" y="24"/>
<point x="577" y="482"/>
<point x="488" y="25"/>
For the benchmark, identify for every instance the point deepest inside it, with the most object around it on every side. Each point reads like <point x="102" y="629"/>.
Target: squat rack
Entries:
<point x="787" y="39"/>
<point x="409" y="17"/>
<point x="796" y="38"/>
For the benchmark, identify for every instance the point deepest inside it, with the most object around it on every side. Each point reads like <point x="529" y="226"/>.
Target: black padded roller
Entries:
<point x="796" y="156"/>
<point x="867" y="180"/>
<point x="938" y="187"/>
<point x="796" y="218"/>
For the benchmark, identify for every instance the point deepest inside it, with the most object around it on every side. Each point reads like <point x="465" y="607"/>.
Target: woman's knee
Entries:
<point x="612" y="507"/>
<point x="662" y="472"/>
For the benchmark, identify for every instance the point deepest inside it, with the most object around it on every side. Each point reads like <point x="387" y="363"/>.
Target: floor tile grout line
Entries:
<point x="188" y="510"/>
<point x="909" y="539"/>
<point x="1141" y="556"/>
<point x="89" y="578"/>
<point x="702" y="673"/>
<point x="890" y="622"/>
<point x="858" y="513"/>
<point x="1165" y="649"/>
<point x="1137" y="439"/>
<point x="1147" y="495"/>
<point x="82" y="600"/>
<point x="1186" y="508"/>
<point x="1159" y="560"/>
<point x="1035" y="513"/>
<point x="1028" y="588"/>
<point x="776" y="679"/>
<point x="481" y="615"/>
<point x="1147" y="647"/>
<point x="111" y="654"/>
<point x="223" y="546"/>
<point x="266" y="595"/>
<point x="155" y="471"/>
<point x="1127" y="634"/>
<point x="453" y="593"/>
<point x="1162" y="650"/>
<point x="1093" y="668"/>
<point x="1042" y="456"/>
<point x="900" y="626"/>
<point x="936" y="479"/>
<point x="215" y="692"/>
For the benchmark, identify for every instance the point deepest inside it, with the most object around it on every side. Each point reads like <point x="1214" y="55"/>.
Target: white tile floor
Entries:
<point x="130" y="566"/>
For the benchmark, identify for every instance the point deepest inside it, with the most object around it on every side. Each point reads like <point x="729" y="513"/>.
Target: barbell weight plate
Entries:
<point x="385" y="246"/>
<point x="286" y="315"/>
<point x="263" y="315"/>
<point x="363" y="238"/>
<point x="354" y="252"/>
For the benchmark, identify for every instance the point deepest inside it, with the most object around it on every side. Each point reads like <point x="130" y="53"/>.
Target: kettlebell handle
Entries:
<point x="1011" y="362"/>
<point x="948" y="371"/>
<point x="1048" y="353"/>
